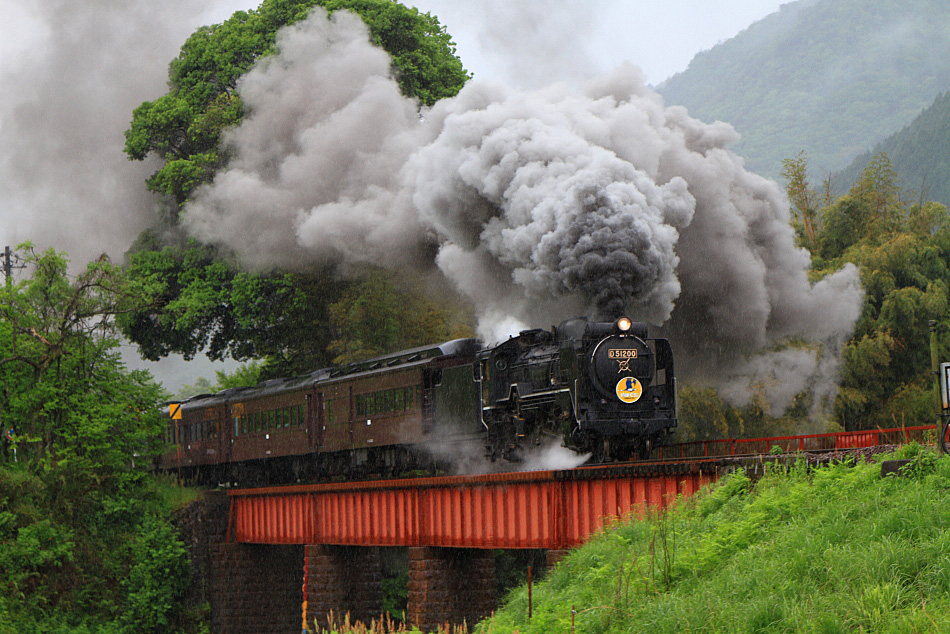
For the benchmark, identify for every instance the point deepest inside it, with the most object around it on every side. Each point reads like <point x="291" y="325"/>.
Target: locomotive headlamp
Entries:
<point x="623" y="324"/>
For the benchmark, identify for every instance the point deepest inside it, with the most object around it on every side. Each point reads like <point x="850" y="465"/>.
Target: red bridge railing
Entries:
<point x="790" y="444"/>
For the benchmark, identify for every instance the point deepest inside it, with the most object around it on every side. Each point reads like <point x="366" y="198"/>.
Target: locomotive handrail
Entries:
<point x="791" y="444"/>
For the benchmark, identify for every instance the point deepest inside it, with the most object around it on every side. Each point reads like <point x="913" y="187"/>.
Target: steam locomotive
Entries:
<point x="601" y="388"/>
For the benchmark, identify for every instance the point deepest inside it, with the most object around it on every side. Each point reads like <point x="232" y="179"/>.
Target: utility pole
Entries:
<point x="8" y="265"/>
<point x="8" y="258"/>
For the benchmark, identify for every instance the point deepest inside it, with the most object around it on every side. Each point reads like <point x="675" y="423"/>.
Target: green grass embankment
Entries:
<point x="834" y="549"/>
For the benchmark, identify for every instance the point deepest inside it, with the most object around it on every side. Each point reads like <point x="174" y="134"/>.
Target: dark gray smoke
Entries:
<point x="538" y="205"/>
<point x="67" y="99"/>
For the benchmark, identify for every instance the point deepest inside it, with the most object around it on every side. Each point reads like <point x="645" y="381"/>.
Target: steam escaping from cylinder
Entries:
<point x="537" y="205"/>
<point x="460" y="449"/>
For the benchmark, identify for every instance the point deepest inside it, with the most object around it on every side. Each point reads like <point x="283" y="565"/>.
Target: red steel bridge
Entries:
<point x="535" y="509"/>
<point x="295" y="554"/>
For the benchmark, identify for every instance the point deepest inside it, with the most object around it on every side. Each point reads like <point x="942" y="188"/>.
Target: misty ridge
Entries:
<point x="830" y="77"/>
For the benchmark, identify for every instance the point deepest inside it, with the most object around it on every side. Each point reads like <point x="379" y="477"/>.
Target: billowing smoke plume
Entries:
<point x="523" y="42"/>
<point x="538" y="205"/>
<point x="68" y="96"/>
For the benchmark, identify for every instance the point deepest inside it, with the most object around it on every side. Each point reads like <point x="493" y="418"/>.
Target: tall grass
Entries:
<point x="835" y="549"/>
<point x="385" y="625"/>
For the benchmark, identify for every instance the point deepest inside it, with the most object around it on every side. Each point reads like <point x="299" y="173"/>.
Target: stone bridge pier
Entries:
<point x="275" y="589"/>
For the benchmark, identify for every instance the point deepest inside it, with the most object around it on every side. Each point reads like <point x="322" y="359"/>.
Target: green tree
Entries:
<point x="194" y="300"/>
<point x="903" y="252"/>
<point x="381" y="314"/>
<point x="246" y="375"/>
<point x="803" y="199"/>
<point x="197" y="299"/>
<point x="58" y="334"/>
<point x="184" y="126"/>
<point x="75" y="498"/>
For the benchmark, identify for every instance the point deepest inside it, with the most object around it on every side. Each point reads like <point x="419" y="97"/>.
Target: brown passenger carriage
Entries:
<point x="375" y="416"/>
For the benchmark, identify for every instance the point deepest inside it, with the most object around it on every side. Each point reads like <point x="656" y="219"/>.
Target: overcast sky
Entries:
<point x="72" y="72"/>
<point x="508" y="40"/>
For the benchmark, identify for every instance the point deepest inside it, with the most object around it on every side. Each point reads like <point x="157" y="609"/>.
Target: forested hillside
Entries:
<point x="920" y="154"/>
<point x="830" y="77"/>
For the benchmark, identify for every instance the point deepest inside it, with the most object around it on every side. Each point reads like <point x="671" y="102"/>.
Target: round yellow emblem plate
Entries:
<point x="629" y="389"/>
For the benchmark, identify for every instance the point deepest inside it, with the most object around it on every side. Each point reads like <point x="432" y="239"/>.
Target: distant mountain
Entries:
<point x="920" y="153"/>
<point x="831" y="77"/>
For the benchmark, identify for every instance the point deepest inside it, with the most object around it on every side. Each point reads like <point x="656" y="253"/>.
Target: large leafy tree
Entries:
<point x="199" y="300"/>
<point x="77" y="513"/>
<point x="63" y="388"/>
<point x="184" y="126"/>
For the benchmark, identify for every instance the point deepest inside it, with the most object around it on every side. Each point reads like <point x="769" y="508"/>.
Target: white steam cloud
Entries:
<point x="538" y="205"/>
<point x="70" y="81"/>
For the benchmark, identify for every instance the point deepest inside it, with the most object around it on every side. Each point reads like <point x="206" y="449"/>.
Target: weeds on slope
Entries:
<point x="827" y="550"/>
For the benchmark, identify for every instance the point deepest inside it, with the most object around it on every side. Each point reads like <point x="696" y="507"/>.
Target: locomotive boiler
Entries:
<point x="603" y="388"/>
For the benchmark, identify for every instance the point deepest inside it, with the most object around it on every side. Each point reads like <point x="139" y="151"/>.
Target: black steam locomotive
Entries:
<point x="605" y="387"/>
<point x="601" y="388"/>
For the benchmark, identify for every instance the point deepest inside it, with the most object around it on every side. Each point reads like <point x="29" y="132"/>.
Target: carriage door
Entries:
<point x="316" y="422"/>
<point x="431" y="379"/>
<point x="225" y="422"/>
<point x="351" y="417"/>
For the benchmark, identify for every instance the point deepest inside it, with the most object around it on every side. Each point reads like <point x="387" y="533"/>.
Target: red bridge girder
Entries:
<point x="537" y="509"/>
